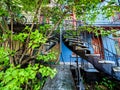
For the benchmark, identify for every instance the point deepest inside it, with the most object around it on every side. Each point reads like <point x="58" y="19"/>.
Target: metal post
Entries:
<point x="119" y="2"/>
<point x="61" y="28"/>
<point x="61" y="44"/>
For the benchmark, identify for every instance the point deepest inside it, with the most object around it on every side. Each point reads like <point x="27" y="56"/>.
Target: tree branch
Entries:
<point x="63" y="15"/>
<point x="39" y="3"/>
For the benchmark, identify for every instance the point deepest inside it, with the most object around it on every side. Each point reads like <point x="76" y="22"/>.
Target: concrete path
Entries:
<point x="62" y="81"/>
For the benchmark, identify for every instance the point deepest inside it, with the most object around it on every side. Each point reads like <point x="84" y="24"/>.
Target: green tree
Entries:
<point x="26" y="46"/>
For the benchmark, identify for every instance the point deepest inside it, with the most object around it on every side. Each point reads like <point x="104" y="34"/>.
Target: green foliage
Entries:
<point x="87" y="10"/>
<point x="36" y="39"/>
<point x="107" y="32"/>
<point x="108" y="83"/>
<point x="20" y="37"/>
<point x="99" y="87"/>
<point x="56" y="14"/>
<point x="105" y="84"/>
<point x="96" y="30"/>
<point x="45" y="2"/>
<point x="70" y="33"/>
<point x="36" y="36"/>
<point x="47" y="71"/>
<point x="28" y="5"/>
<point x="3" y="10"/>
<point x="5" y="36"/>
<point x="110" y="9"/>
<point x="15" y="77"/>
<point x="44" y="29"/>
<point x="47" y="57"/>
<point x="4" y="59"/>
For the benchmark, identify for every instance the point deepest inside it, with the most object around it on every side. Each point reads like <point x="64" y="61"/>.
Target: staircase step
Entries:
<point x="82" y="42"/>
<point x="66" y="39"/>
<point x="90" y="70"/>
<point x="53" y="41"/>
<point x="74" y="41"/>
<point x="77" y="41"/>
<point x="116" y="69"/>
<point x="47" y="44"/>
<point x="83" y="46"/>
<point x="72" y="38"/>
<point x="78" y="44"/>
<point x="106" y="62"/>
<point x="74" y="56"/>
<point x="71" y="43"/>
<point x="92" y="54"/>
<point x="80" y="48"/>
<point x="77" y="36"/>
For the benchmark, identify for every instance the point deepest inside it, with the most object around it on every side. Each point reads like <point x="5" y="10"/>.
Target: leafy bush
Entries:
<point x="16" y="78"/>
<point x="21" y="74"/>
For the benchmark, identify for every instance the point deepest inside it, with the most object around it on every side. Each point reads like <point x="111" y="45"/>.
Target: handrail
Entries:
<point x="116" y="41"/>
<point x="107" y="54"/>
<point x="110" y="55"/>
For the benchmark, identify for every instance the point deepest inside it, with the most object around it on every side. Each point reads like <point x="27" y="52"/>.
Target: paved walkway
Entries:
<point x="62" y="81"/>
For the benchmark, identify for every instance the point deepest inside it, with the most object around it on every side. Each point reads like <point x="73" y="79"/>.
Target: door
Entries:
<point x="97" y="46"/>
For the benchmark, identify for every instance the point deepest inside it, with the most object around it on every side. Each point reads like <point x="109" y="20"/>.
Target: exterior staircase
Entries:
<point x="82" y="48"/>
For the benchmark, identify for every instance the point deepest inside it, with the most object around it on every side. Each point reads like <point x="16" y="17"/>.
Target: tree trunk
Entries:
<point x="39" y="3"/>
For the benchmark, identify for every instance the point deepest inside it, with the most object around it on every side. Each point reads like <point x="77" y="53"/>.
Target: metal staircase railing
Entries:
<point x="77" y="76"/>
<point x="111" y="53"/>
<point x="107" y="60"/>
<point x="105" y="53"/>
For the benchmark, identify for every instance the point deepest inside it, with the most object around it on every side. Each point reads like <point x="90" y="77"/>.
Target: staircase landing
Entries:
<point x="62" y="81"/>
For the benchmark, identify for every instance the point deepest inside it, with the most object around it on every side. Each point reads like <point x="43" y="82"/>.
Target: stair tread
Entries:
<point x="72" y="38"/>
<point x="91" y="70"/>
<point x="47" y="44"/>
<point x="76" y="44"/>
<point x="53" y="41"/>
<point x="75" y="41"/>
<point x="106" y="62"/>
<point x="81" y="49"/>
<point x="80" y="45"/>
<point x="116" y="69"/>
<point x="92" y="54"/>
<point x="75" y="56"/>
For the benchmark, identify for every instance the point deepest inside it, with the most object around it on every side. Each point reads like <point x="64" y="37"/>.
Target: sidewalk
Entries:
<point x="62" y="81"/>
